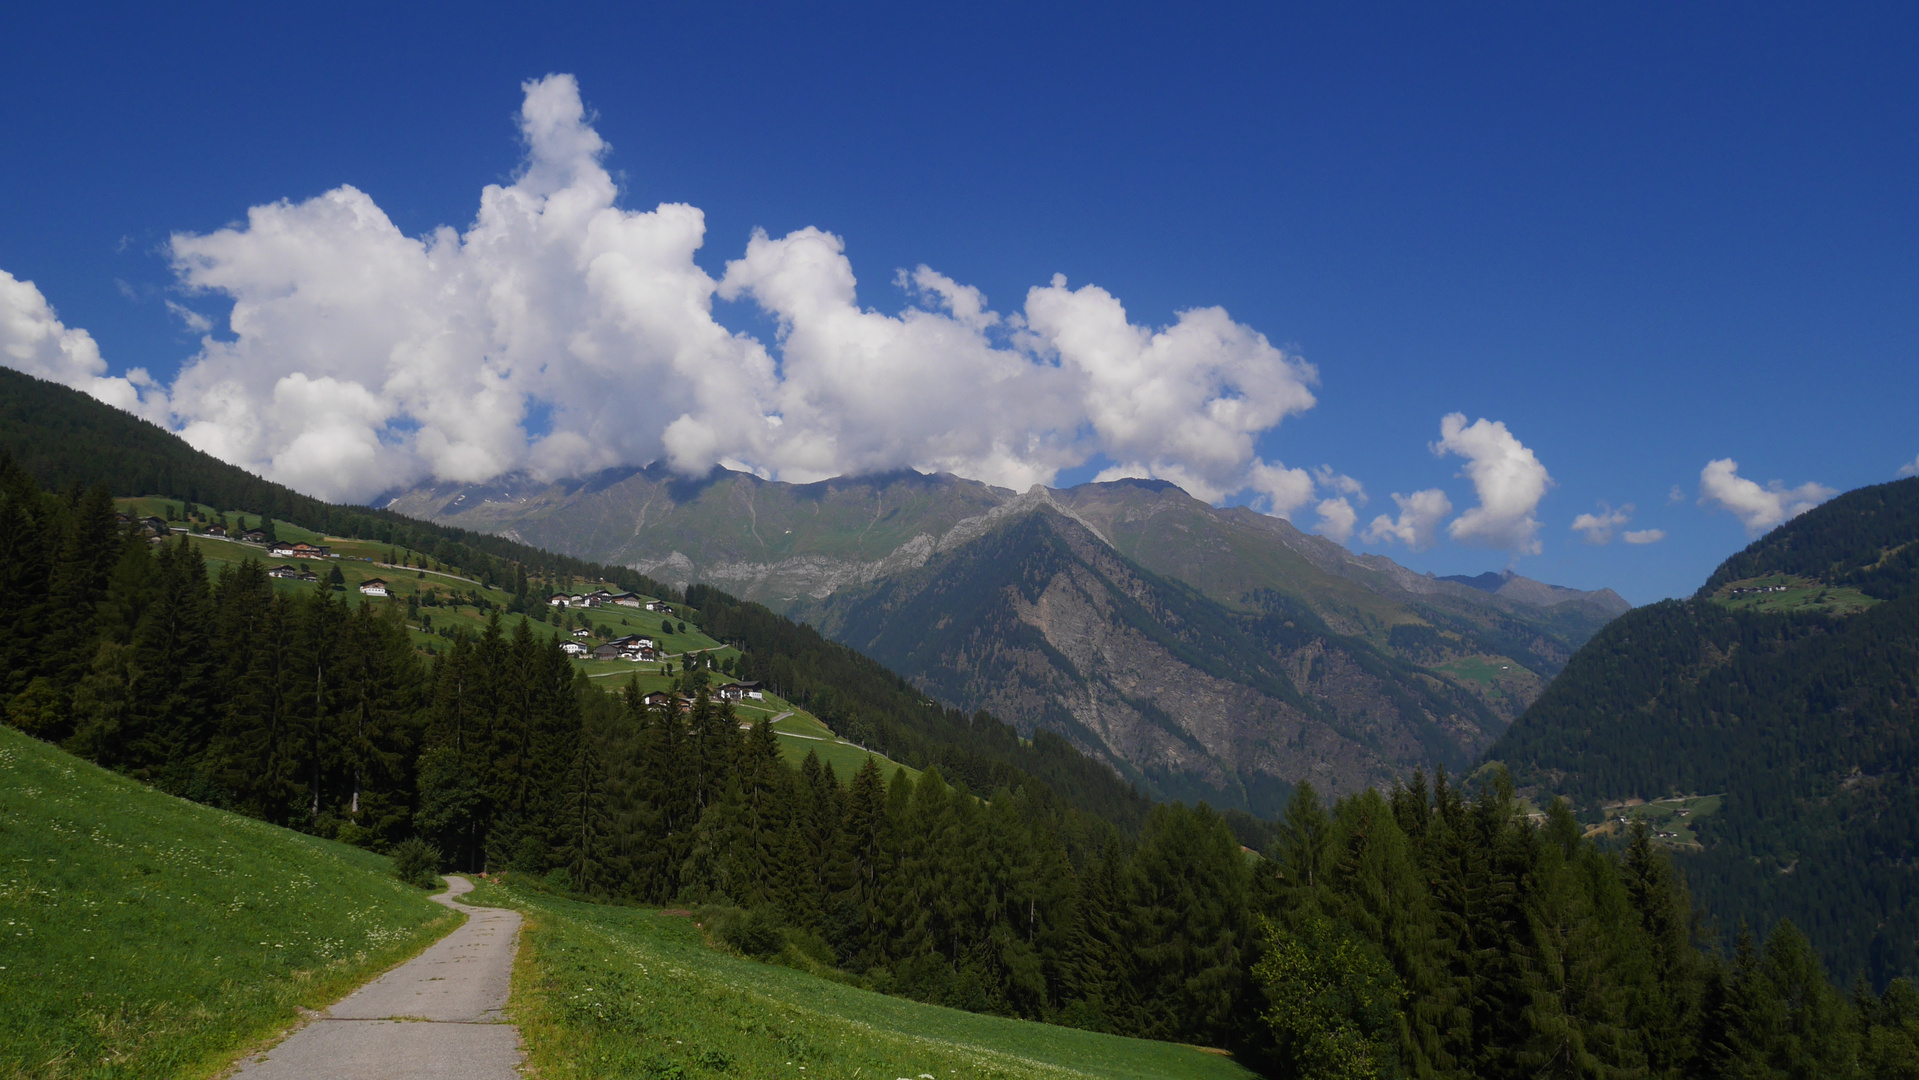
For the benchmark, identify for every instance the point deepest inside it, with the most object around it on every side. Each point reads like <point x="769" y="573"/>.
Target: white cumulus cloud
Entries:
<point x="1508" y="478"/>
<point x="1336" y="518"/>
<point x="1643" y="536"/>
<point x="1758" y="508"/>
<point x="1910" y="468"/>
<point x="1281" y="490"/>
<point x="34" y="340"/>
<point x="560" y="333"/>
<point x="1419" y="516"/>
<point x="1598" y="528"/>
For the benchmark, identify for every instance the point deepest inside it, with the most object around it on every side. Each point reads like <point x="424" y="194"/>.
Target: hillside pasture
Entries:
<point x="601" y="991"/>
<point x="1790" y="593"/>
<point x="146" y="936"/>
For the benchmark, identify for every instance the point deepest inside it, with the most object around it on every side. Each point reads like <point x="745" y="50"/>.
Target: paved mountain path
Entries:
<point x="441" y="1014"/>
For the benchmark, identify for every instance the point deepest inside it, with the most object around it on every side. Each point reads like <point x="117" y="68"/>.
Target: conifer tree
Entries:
<point x="171" y="702"/>
<point x="1188" y="923"/>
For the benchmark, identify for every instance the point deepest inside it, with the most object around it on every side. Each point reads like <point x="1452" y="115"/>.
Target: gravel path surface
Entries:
<point x="441" y="1014"/>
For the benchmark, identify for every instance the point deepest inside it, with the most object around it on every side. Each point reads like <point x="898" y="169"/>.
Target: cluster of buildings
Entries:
<point x="739" y="691"/>
<point x="251" y="536"/>
<point x="602" y="598"/>
<point x="631" y="647"/>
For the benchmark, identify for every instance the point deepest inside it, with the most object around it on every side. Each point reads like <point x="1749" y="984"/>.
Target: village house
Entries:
<point x="217" y="530"/>
<point x="558" y="599"/>
<point x="254" y="536"/>
<point x="374" y="587"/>
<point x="300" y="550"/>
<point x="294" y="572"/>
<point x="573" y="648"/>
<point x="659" y="606"/>
<point x="627" y="599"/>
<point x="582" y="631"/>
<point x="634" y="647"/>
<point x="741" y="690"/>
<point x="608" y="651"/>
<point x="660" y="699"/>
<point x="156" y="526"/>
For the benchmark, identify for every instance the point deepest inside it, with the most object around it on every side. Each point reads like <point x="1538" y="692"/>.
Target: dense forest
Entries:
<point x="1430" y="931"/>
<point x="1807" y="719"/>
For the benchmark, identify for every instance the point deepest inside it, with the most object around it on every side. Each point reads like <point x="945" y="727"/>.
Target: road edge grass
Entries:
<point x="324" y="994"/>
<point x="174" y="882"/>
<point x="596" y="992"/>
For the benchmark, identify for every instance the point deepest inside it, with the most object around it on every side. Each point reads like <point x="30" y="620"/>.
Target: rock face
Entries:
<point x="1044" y="622"/>
<point x="1206" y="653"/>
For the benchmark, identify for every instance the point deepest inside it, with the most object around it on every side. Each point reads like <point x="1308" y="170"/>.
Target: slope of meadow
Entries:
<point x="144" y="935"/>
<point x="605" y="991"/>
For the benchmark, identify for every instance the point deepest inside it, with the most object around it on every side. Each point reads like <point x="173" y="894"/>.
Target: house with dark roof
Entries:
<point x="300" y="550"/>
<point x="741" y="690"/>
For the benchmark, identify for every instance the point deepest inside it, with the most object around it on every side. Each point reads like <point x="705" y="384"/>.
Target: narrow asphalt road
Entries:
<point x="441" y="1014"/>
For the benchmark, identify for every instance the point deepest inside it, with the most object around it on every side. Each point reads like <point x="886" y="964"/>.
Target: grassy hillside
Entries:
<point x="604" y="991"/>
<point x="143" y="935"/>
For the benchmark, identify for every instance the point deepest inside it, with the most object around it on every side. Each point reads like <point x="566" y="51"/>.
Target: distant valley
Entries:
<point x="1204" y="653"/>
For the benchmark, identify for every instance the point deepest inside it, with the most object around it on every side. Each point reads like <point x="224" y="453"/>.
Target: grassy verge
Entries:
<point x="604" y="991"/>
<point x="142" y="935"/>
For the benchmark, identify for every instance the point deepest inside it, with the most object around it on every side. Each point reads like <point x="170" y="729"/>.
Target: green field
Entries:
<point x="1483" y="670"/>
<point x="361" y="560"/>
<point x="1790" y="593"/>
<point x="143" y="935"/>
<point x="1674" y="817"/>
<point x="617" y="992"/>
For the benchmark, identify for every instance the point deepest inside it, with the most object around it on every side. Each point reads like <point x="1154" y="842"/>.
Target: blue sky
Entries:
<point x="1642" y="239"/>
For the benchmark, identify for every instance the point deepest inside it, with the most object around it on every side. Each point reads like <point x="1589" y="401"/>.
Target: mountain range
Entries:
<point x="1204" y="653"/>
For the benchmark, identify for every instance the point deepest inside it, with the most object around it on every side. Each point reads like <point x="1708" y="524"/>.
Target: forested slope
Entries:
<point x="1808" y="720"/>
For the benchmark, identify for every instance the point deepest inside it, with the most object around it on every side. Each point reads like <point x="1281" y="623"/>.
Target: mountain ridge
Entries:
<point x="852" y="553"/>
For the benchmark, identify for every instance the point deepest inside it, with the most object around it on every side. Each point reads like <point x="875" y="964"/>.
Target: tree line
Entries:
<point x="1427" y="931"/>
